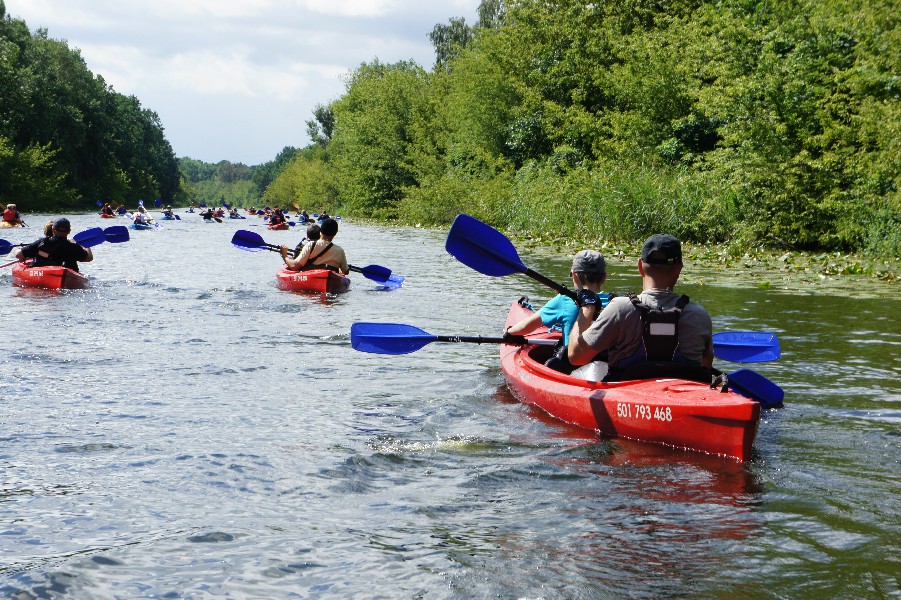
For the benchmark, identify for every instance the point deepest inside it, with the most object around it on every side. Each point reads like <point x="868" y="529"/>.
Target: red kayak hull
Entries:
<point x="51" y="278"/>
<point x="103" y="216"/>
<point x="322" y="281"/>
<point x="279" y="227"/>
<point x="675" y="412"/>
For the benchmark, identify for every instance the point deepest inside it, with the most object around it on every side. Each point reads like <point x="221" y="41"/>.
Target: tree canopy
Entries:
<point x="770" y="123"/>
<point x="67" y="139"/>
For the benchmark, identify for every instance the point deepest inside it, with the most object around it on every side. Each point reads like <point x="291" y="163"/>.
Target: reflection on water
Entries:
<point x="183" y="428"/>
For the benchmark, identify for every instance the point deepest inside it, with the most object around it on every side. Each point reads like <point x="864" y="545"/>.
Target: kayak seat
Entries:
<point x="541" y="353"/>
<point x="662" y="370"/>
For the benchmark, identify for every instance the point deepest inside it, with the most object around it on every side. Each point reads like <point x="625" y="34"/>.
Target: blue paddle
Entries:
<point x="90" y="237"/>
<point x="756" y="387"/>
<point x="746" y="346"/>
<point x="488" y="251"/>
<point x="6" y="247"/>
<point x="253" y="242"/>
<point x="116" y="234"/>
<point x="396" y="338"/>
<point x="95" y="235"/>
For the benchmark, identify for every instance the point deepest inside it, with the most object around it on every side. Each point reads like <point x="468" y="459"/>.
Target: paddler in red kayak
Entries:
<point x="657" y="333"/>
<point x="321" y="254"/>
<point x="313" y="234"/>
<point x="56" y="249"/>
<point x="277" y="218"/>
<point x="11" y="216"/>
<point x="589" y="272"/>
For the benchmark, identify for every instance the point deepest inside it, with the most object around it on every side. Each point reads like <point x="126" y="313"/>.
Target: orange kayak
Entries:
<point x="675" y="412"/>
<point x="322" y="281"/>
<point x="49" y="277"/>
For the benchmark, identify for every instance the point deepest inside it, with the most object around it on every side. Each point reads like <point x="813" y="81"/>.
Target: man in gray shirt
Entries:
<point x="626" y="332"/>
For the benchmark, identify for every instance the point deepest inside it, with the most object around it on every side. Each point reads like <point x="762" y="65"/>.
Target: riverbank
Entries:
<point x="805" y="272"/>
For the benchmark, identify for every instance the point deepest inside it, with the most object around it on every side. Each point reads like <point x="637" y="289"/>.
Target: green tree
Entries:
<point x="321" y="126"/>
<point x="372" y="135"/>
<point x="449" y="40"/>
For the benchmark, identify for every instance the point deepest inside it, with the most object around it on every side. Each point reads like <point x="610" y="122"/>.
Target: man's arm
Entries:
<point x="579" y="351"/>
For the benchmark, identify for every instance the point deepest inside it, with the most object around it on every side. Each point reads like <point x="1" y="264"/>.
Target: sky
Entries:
<point x="237" y="80"/>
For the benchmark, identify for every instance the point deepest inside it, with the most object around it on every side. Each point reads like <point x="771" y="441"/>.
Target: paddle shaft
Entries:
<point x="491" y="340"/>
<point x="560" y="289"/>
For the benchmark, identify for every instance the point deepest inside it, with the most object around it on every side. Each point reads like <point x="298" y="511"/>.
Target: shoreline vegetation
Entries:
<point x="853" y="274"/>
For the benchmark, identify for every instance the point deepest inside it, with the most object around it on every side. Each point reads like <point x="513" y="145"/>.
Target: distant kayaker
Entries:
<point x="588" y="272"/>
<point x="12" y="217"/>
<point x="657" y="333"/>
<point x="313" y="234"/>
<point x="56" y="249"/>
<point x="277" y="218"/>
<point x="142" y="217"/>
<point x="107" y="210"/>
<point x="323" y="253"/>
<point x="167" y="212"/>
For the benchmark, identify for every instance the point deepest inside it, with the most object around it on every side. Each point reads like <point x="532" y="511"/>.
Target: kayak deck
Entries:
<point x="48" y="277"/>
<point x="675" y="412"/>
<point x="322" y="281"/>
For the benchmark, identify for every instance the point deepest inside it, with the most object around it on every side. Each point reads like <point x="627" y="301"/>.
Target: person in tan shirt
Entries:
<point x="323" y="253"/>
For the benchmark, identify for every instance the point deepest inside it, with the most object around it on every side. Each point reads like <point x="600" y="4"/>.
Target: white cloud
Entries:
<point x="237" y="79"/>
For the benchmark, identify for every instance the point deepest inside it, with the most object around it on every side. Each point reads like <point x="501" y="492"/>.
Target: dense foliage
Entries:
<point x="66" y="138"/>
<point x="772" y="123"/>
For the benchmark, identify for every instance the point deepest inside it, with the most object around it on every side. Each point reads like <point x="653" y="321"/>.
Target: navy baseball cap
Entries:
<point x="661" y="249"/>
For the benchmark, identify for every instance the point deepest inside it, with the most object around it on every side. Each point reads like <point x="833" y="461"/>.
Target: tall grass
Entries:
<point x="619" y="202"/>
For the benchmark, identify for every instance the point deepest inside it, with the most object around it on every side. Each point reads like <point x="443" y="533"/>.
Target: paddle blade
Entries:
<point x="482" y="247"/>
<point x="395" y="281"/>
<point x="116" y="234"/>
<point x="248" y="240"/>
<point x="374" y="272"/>
<point x="5" y="247"/>
<point x="756" y="387"/>
<point x="388" y="338"/>
<point x="90" y="237"/>
<point x="177" y="218"/>
<point x="158" y="202"/>
<point x="746" y="346"/>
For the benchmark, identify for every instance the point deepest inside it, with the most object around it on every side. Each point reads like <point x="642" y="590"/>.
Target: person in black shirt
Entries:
<point x="56" y="249"/>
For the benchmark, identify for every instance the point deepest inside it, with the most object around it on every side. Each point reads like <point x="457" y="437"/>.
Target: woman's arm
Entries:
<point x="527" y="325"/>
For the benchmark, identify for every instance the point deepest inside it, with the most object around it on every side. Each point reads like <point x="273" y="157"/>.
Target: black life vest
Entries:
<point x="660" y="329"/>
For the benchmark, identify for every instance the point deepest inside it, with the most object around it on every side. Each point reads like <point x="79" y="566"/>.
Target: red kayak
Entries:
<point x="322" y="281"/>
<point x="106" y="216"/>
<point x="51" y="278"/>
<point x="674" y="412"/>
<point x="279" y="227"/>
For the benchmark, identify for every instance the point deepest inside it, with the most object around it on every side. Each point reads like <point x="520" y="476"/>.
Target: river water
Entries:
<point x="184" y="429"/>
